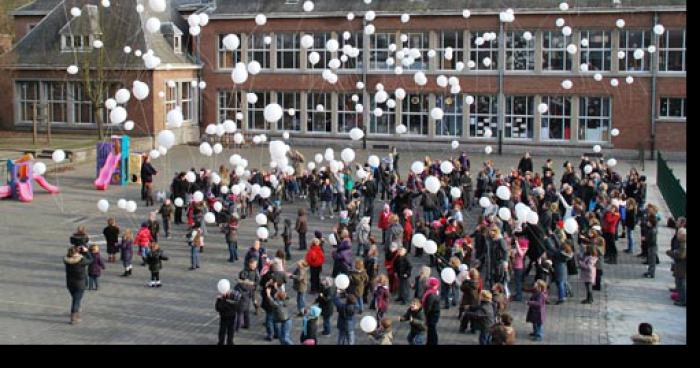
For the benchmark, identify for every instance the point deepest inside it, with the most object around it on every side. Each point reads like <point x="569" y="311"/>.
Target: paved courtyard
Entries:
<point x="34" y="303"/>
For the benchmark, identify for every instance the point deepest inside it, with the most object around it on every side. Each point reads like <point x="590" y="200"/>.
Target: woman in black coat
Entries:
<point x="76" y="262"/>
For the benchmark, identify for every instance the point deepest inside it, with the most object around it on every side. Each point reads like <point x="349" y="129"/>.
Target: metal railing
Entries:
<point x="670" y="188"/>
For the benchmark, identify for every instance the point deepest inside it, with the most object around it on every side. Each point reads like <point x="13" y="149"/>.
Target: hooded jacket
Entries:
<point x="76" y="270"/>
<point x="652" y="339"/>
<point x="315" y="257"/>
<point x="342" y="257"/>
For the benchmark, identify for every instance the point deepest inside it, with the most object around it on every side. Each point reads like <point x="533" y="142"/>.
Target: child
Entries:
<point x="280" y="314"/>
<point x="227" y="307"/>
<point x="166" y="212"/>
<point x="503" y="333"/>
<point x="95" y="268"/>
<point x="111" y="233"/>
<point x="196" y="243"/>
<point x="325" y="301"/>
<point x="536" y="311"/>
<point x="309" y="329"/>
<point x="300" y="284"/>
<point x="127" y="251"/>
<point x="359" y="280"/>
<point x="231" y="231"/>
<point x="143" y="240"/>
<point x="153" y="226"/>
<point x="382" y="295"/>
<point x="482" y="317"/>
<point x="154" y="260"/>
<point x="587" y="270"/>
<point x="346" y="319"/>
<point x="414" y="315"/>
<point x="383" y="335"/>
<point x="646" y="335"/>
<point x="287" y="238"/>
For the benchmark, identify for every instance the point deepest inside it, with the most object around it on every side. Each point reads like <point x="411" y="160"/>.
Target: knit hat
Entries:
<point x="433" y="283"/>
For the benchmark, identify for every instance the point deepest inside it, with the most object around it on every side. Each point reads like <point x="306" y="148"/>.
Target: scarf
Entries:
<point x="433" y="285"/>
<point x="314" y="312"/>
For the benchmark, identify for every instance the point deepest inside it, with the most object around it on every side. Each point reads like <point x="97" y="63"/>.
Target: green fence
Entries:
<point x="670" y="188"/>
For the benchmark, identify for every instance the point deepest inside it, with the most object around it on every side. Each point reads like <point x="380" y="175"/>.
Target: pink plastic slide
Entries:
<point x="5" y="191"/>
<point x="24" y="191"/>
<point x="42" y="182"/>
<point x="105" y="177"/>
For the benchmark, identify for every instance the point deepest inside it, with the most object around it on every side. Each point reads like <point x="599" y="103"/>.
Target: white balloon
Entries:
<point x="261" y="219"/>
<point x="118" y="115"/>
<point x="420" y="78"/>
<point x="441" y="81"/>
<point x="153" y="25"/>
<point x="455" y="144"/>
<point x="533" y="218"/>
<point x="329" y="155"/>
<point x="659" y="29"/>
<point x="307" y="41"/>
<point x="318" y="158"/>
<point x="455" y="192"/>
<point x="195" y="30"/>
<point x="487" y="62"/>
<point x="110" y="103"/>
<point x="418" y="240"/>
<point x="566" y="31"/>
<point x="629" y="79"/>
<point x="203" y="19"/>
<point x="405" y="18"/>
<point x="240" y="73"/>
<point x="448" y="275"/>
<point x="417" y="167"/>
<point x="351" y="16"/>
<point x="484" y="202"/>
<point x="527" y="36"/>
<point x="612" y="162"/>
<point x="209" y="218"/>
<point x="205" y="149"/>
<point x="571" y="49"/>
<point x="620" y="23"/>
<point x="347" y="155"/>
<point x="265" y="192"/>
<point x="103" y="205"/>
<point x="597" y="148"/>
<point x="122" y="96"/>
<point x="332" y="45"/>
<point x="140" y="90"/>
<point x="231" y="42"/>
<point x="39" y="168"/>
<point x="223" y="286"/>
<point x="469" y="99"/>
<point x="559" y="22"/>
<point x="466" y="13"/>
<point x="504" y="214"/>
<point x="154" y="154"/>
<point x="615" y="132"/>
<point x="273" y="112"/>
<point x="373" y="161"/>
<point x="614" y="82"/>
<point x="488" y="150"/>
<point x="588" y="169"/>
<point x="571" y="226"/>
<point x="314" y="58"/>
<point x="262" y="233"/>
<point x="543" y="108"/>
<point x="401" y="129"/>
<point x="260" y="19"/>
<point x="72" y="69"/>
<point x="174" y="118"/>
<point x="521" y="211"/>
<point x="311" y="166"/>
<point x="157" y="6"/>
<point x="238" y="138"/>
<point x="166" y="138"/>
<point x="368" y="324"/>
<point x="563" y="6"/>
<point x="432" y="184"/>
<point x="436" y="113"/>
<point x="567" y="84"/>
<point x="308" y="6"/>
<point x="446" y="167"/>
<point x="131" y="206"/>
<point x="76" y="12"/>
<point x="356" y="134"/>
<point x="198" y="196"/>
<point x="370" y="15"/>
<point x="488" y="133"/>
<point x="503" y="192"/>
<point x="598" y="77"/>
<point x="58" y="156"/>
<point x="430" y="247"/>
<point x="236" y="189"/>
<point x="178" y="202"/>
<point x="254" y="67"/>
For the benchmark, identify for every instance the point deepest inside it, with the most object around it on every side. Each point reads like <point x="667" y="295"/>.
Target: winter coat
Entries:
<point x="358" y="282"/>
<point x="396" y="233"/>
<point x="652" y="339"/>
<point x="143" y="237"/>
<point x="416" y="319"/>
<point x="226" y="306"/>
<point x="342" y="258"/>
<point x="147" y="172"/>
<point x="299" y="280"/>
<point x="679" y="260"/>
<point x="482" y="315"/>
<point x="537" y="308"/>
<point x="277" y="308"/>
<point x="631" y="217"/>
<point x="95" y="268"/>
<point x="346" y="314"/>
<point x="420" y="286"/>
<point x="111" y="234"/>
<point x="154" y="260"/>
<point x="470" y="293"/>
<point x="382" y="296"/>
<point x="302" y="225"/>
<point x="432" y="307"/>
<point x="325" y="300"/>
<point x="363" y="233"/>
<point x="403" y="267"/>
<point x="326" y="193"/>
<point x="519" y="253"/>
<point x="610" y="222"/>
<point x="127" y="250"/>
<point x="384" y="220"/>
<point x="314" y="256"/>
<point x="76" y="270"/>
<point x="587" y="270"/>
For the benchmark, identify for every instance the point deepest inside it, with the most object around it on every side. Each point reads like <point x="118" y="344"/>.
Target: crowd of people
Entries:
<point x="383" y="224"/>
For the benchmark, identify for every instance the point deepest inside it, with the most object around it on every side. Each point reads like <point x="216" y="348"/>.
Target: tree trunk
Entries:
<point x="100" y="123"/>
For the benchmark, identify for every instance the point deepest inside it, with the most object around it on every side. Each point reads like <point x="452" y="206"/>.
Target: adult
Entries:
<point x="315" y="258"/>
<point x="342" y="256"/>
<point x="147" y="173"/>
<point x="525" y="164"/>
<point x="76" y="260"/>
<point x="431" y="306"/>
<point x="301" y="227"/>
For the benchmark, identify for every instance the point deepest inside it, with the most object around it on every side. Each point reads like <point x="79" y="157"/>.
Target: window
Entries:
<point x="75" y="43"/>
<point x="256" y="117"/>
<point x="599" y="51"/>
<point x="483" y="115"/>
<point x="594" y="119"/>
<point x="228" y="59"/>
<point x="631" y="41"/>
<point x="556" y="122"/>
<point x="673" y="108"/>
<point x="182" y="96"/>
<point x="415" y="113"/>
<point x="554" y="55"/>
<point x="520" y="117"/>
<point x="520" y="53"/>
<point x="229" y="105"/>
<point x="29" y="95"/>
<point x="451" y="123"/>
<point x="57" y="102"/>
<point x="379" y="50"/>
<point x="177" y="44"/>
<point x="418" y="41"/>
<point x="290" y="100"/>
<point x="385" y="124"/>
<point x="455" y="40"/>
<point x="672" y="51"/>
<point x="488" y="49"/>
<point x="318" y="121"/>
<point x="320" y="40"/>
<point x="170" y="97"/>
<point x="82" y="106"/>
<point x="258" y="50"/>
<point x="348" y="117"/>
<point x="356" y="40"/>
<point x="288" y="53"/>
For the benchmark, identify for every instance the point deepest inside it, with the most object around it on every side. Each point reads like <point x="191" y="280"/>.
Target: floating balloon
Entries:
<point x="504" y="214"/>
<point x="198" y="196"/>
<point x="39" y="168"/>
<point x="417" y="167"/>
<point x="231" y="42"/>
<point x="455" y="144"/>
<point x="140" y="90"/>
<point x="418" y="240"/>
<point x="179" y="202"/>
<point x="240" y="73"/>
<point x="209" y="218"/>
<point x="446" y="167"/>
<point x="373" y="161"/>
<point x="131" y="206"/>
<point x="455" y="192"/>
<point x="368" y="324"/>
<point x="262" y="233"/>
<point x="166" y="138"/>
<point x="261" y="219"/>
<point x="265" y="192"/>
<point x="484" y="202"/>
<point x="532" y="218"/>
<point x="448" y="275"/>
<point x="342" y="281"/>
<point x="430" y="247"/>
<point x="488" y="150"/>
<point x="273" y="113"/>
<point x="356" y="134"/>
<point x="571" y="226"/>
<point x="503" y="192"/>
<point x="223" y="286"/>
<point x="432" y="184"/>
<point x="587" y="169"/>
<point x="58" y="156"/>
<point x="103" y="205"/>
<point x="347" y="155"/>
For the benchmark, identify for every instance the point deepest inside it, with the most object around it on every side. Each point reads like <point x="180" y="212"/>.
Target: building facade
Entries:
<point x="528" y="58"/>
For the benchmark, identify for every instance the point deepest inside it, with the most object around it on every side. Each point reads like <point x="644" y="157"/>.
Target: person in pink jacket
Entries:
<point x="519" y="246"/>
<point x="143" y="240"/>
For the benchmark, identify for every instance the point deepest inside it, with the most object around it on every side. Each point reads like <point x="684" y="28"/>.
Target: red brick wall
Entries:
<point x="671" y="137"/>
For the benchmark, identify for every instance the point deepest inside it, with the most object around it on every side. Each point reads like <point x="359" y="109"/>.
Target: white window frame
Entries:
<point x="488" y="119"/>
<point x="583" y="119"/>
<point x="422" y="112"/>
<point x="346" y="108"/>
<point x="264" y="98"/>
<point x="548" y="119"/>
<point x="388" y="118"/>
<point x="666" y="101"/>
<point x="375" y="62"/>
<point x="453" y="119"/>
<point x="664" y="51"/>
<point x="552" y="39"/>
<point x="295" y="49"/>
<point x="222" y="51"/>
<point x="514" y="48"/>
<point x="255" y="40"/>
<point x="353" y="64"/>
<point x="457" y="47"/>
<point x="605" y="50"/>
<point x="287" y="121"/>
<point x="423" y="40"/>
<point x="645" y="62"/>
<point x="476" y="53"/>
<point x="314" y="117"/>
<point x="512" y="117"/>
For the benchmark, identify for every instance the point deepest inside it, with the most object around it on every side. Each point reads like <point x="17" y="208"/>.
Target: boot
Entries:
<point x="72" y="319"/>
<point x="126" y="273"/>
<point x="77" y="317"/>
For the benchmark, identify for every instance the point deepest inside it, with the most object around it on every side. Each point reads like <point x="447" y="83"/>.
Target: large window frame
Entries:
<point x="421" y="42"/>
<point x="385" y="124"/>
<point x="288" y="51"/>
<point x="556" y="122"/>
<point x="630" y="41"/>
<point x="289" y="100"/>
<point x="594" y="126"/>
<point x="57" y="102"/>
<point x="669" y="105"/>
<point x="258" y="50"/>
<point x="520" y="53"/>
<point x="452" y="122"/>
<point x="598" y="53"/>
<point x="82" y="106"/>
<point x="229" y="104"/>
<point x="478" y="53"/>
<point x="348" y="117"/>
<point x="354" y="64"/>
<point x="379" y="50"/>
<point x="519" y="117"/>
<point x="256" y="116"/>
<point x="555" y="58"/>
<point x="226" y="59"/>
<point x="416" y="115"/>
<point x="320" y="40"/>
<point x="669" y="49"/>
<point x="320" y="122"/>
<point x="483" y="113"/>
<point x="455" y="40"/>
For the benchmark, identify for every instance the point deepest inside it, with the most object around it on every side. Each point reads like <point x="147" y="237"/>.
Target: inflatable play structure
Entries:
<point x="112" y="162"/>
<point x="21" y="179"/>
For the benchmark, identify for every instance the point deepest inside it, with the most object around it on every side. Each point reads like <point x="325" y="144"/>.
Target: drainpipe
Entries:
<point x="501" y="94"/>
<point x="654" y="72"/>
<point x="365" y="48"/>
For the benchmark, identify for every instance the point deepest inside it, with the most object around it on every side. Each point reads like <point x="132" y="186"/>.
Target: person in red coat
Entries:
<point x="384" y="225"/>
<point x="143" y="240"/>
<point x="315" y="258"/>
<point x="390" y="270"/>
<point x="407" y="230"/>
<point x="610" y="220"/>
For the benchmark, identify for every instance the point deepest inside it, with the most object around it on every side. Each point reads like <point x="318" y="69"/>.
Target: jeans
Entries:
<point x="537" y="329"/>
<point x="271" y="327"/>
<point x="680" y="287"/>
<point x="92" y="282"/>
<point x="386" y="238"/>
<point x="610" y="248"/>
<point x="651" y="259"/>
<point x="194" y="256"/>
<point x="76" y="297"/>
<point x="404" y="289"/>
<point x="589" y="293"/>
<point x="226" y="330"/>
<point x="630" y="239"/>
<point x="326" y="205"/>
<point x="431" y="324"/>
<point x="561" y="289"/>
<point x="346" y="336"/>
<point x="360" y="305"/>
<point x="232" y="251"/>
<point x="166" y="227"/>
<point x="361" y="249"/>
<point x="518" y="274"/>
<point x="300" y="301"/>
<point x="416" y="339"/>
<point x="326" y="325"/>
<point x="285" y="329"/>
<point x="144" y="251"/>
<point x="484" y="337"/>
<point x="302" y="241"/>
